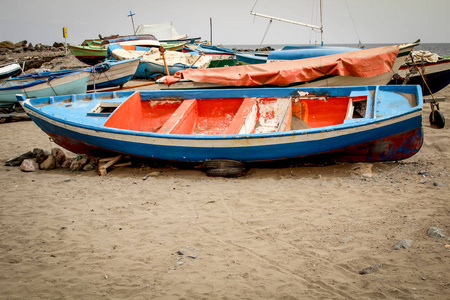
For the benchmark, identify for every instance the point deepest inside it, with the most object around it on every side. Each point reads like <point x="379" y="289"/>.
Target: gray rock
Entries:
<point x="7" y="44"/>
<point x="89" y="167"/>
<point x="48" y="164"/>
<point x="79" y="162"/>
<point x="403" y="244"/>
<point x="59" y="155"/>
<point x="17" y="161"/>
<point x="435" y="232"/>
<point x="438" y="184"/>
<point x="370" y="269"/>
<point x="40" y="155"/>
<point x="188" y="252"/>
<point x="66" y="164"/>
<point x="21" y="44"/>
<point x="29" y="165"/>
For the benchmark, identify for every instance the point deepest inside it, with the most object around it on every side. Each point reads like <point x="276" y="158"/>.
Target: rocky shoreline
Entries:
<point x="38" y="56"/>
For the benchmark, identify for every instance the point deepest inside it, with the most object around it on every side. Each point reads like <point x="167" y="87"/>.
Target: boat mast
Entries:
<point x="295" y="22"/>
<point x="321" y="24"/>
<point x="132" y="21"/>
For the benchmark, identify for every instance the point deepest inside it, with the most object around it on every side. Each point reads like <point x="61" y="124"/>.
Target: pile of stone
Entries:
<point x="264" y="49"/>
<point x="33" y="56"/>
<point x="23" y="46"/>
<point x="39" y="159"/>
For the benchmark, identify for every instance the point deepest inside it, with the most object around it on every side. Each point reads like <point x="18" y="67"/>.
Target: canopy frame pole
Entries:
<point x="295" y="22"/>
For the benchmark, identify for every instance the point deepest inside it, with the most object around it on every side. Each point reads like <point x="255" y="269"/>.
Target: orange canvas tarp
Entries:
<point x="360" y="63"/>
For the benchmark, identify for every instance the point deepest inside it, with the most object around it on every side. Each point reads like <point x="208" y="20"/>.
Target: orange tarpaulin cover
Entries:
<point x="360" y="63"/>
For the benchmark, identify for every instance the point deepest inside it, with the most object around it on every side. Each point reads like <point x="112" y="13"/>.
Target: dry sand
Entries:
<point x="288" y="233"/>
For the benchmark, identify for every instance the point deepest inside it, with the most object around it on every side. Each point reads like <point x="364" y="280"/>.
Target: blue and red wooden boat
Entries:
<point x="365" y="123"/>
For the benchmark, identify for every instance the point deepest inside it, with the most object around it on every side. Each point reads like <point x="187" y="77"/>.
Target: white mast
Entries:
<point x="296" y="23"/>
<point x="321" y="24"/>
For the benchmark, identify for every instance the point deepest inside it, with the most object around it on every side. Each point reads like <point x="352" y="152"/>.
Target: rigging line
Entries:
<point x="48" y="82"/>
<point x="351" y="17"/>
<point x="312" y="19"/>
<point x="254" y="4"/>
<point x="265" y="33"/>
<point x="254" y="17"/>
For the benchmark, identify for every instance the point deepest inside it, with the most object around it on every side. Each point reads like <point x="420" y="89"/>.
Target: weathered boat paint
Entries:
<point x="61" y="85"/>
<point x="103" y="75"/>
<point x="390" y="130"/>
<point x="90" y="55"/>
<point x="10" y="70"/>
<point x="435" y="74"/>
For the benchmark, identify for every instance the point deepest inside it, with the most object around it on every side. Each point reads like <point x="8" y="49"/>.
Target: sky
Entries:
<point x="344" y="21"/>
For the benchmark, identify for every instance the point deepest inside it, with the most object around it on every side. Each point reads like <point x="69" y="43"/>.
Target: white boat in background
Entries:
<point x="429" y="70"/>
<point x="164" y="32"/>
<point x="10" y="70"/>
<point x="103" y="75"/>
<point x="66" y="84"/>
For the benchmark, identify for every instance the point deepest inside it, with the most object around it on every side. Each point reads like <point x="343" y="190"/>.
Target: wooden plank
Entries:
<point x="245" y="119"/>
<point x="430" y="99"/>
<point x="105" y="163"/>
<point x="285" y="113"/>
<point x="182" y="120"/>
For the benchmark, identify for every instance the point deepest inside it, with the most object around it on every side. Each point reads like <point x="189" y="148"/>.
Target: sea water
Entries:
<point x="442" y="49"/>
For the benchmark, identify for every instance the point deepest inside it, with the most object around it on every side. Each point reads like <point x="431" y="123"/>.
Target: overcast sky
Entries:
<point x="345" y="21"/>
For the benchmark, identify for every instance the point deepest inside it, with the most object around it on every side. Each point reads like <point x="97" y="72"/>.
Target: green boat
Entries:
<point x="90" y="55"/>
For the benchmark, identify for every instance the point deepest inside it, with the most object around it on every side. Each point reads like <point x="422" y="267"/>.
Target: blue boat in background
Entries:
<point x="65" y="84"/>
<point x="103" y="75"/>
<point x="301" y="52"/>
<point x="290" y="53"/>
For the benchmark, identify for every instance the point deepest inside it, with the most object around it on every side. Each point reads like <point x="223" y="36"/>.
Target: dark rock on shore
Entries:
<point x="40" y="155"/>
<point x="264" y="49"/>
<point x="16" y="161"/>
<point x="34" y="57"/>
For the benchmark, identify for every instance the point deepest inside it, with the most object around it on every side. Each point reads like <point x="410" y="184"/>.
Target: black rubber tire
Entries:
<point x="439" y="119"/>
<point x="227" y="172"/>
<point x="222" y="164"/>
<point x="5" y="120"/>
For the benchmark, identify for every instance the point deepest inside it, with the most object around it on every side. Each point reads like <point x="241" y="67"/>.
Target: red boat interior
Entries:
<point x="234" y="115"/>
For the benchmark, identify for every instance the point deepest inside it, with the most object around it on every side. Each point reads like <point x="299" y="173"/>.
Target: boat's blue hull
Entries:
<point x="397" y="135"/>
<point x="306" y="52"/>
<point x="386" y="143"/>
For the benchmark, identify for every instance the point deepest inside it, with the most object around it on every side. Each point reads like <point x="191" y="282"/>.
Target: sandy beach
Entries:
<point x="279" y="233"/>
